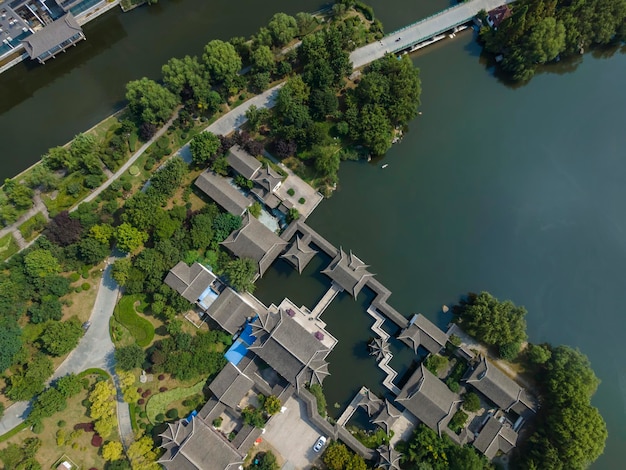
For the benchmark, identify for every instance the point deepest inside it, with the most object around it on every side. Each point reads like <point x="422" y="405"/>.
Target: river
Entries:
<point x="518" y="191"/>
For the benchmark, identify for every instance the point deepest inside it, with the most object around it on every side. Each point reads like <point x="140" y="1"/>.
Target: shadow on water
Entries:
<point x="28" y="77"/>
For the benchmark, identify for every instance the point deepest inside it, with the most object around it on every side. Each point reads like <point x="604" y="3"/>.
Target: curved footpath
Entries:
<point x="96" y="349"/>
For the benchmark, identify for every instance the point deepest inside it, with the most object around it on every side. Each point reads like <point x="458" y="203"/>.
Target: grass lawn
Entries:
<point x="160" y="402"/>
<point x="33" y="226"/>
<point x="82" y="301"/>
<point x="78" y="448"/>
<point x="8" y="246"/>
<point x="126" y="314"/>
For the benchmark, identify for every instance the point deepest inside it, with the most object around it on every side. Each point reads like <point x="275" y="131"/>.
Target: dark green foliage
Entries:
<point x="59" y="338"/>
<point x="453" y="385"/>
<point x="91" y="251"/>
<point x="204" y="148"/>
<point x="21" y="196"/>
<point x="282" y="28"/>
<point x="325" y="55"/>
<point x="150" y="102"/>
<point x="241" y="273"/>
<point x="223" y="225"/>
<point x="253" y="417"/>
<point x="10" y="341"/>
<point x="317" y="391"/>
<point x="458" y="421"/>
<point x="338" y="457"/>
<point x="436" y="363"/>
<point x="172" y="414"/>
<point x="323" y="102"/>
<point x="69" y="385"/>
<point x="47" y="403"/>
<point x="21" y="458"/>
<point x="168" y="179"/>
<point x="221" y="61"/>
<point x="495" y="323"/>
<point x="29" y="378"/>
<point x="471" y="402"/>
<point x="266" y="461"/>
<point x="427" y="450"/>
<point x="570" y="433"/>
<point x="538" y="353"/>
<point x="539" y="31"/>
<point x="386" y="97"/>
<point x="49" y="309"/>
<point x="130" y="357"/>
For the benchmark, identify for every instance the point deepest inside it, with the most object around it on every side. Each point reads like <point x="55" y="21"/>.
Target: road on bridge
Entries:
<point x="422" y="30"/>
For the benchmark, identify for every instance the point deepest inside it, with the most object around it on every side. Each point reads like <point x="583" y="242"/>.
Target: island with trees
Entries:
<point x="537" y="32"/>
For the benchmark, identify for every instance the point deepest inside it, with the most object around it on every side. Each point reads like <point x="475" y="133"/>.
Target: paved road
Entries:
<point x="94" y="350"/>
<point x="425" y="29"/>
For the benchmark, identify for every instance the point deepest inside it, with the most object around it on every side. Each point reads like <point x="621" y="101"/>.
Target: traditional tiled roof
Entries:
<point x="498" y="387"/>
<point x="230" y="310"/>
<point x="379" y="348"/>
<point x="349" y="272"/>
<point x="427" y="398"/>
<point x="222" y="192"/>
<point x="196" y="446"/>
<point x="189" y="281"/>
<point x="389" y="458"/>
<point x="300" y="253"/>
<point x="289" y="348"/>
<point x="242" y="162"/>
<point x="422" y="332"/>
<point x="495" y="437"/>
<point x="387" y="416"/>
<point x="371" y="403"/>
<point x="52" y="35"/>
<point x="230" y="385"/>
<point x="268" y="179"/>
<point x="254" y="240"/>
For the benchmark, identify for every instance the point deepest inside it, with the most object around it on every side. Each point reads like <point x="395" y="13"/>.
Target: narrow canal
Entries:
<point x="516" y="191"/>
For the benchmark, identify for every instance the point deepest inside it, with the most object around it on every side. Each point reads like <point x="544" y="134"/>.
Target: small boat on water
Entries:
<point x="385" y="166"/>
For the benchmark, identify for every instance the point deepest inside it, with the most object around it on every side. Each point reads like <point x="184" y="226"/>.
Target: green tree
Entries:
<point x="59" y="338"/>
<point x="204" y="148"/>
<point x="306" y="23"/>
<point x="262" y="59"/>
<point x="282" y="28"/>
<point x="221" y="61"/>
<point x="130" y="357"/>
<point x="112" y="450"/>
<point x="471" y="402"/>
<point x="272" y="405"/>
<point x="69" y="385"/>
<point x="241" y="273"/>
<point x="92" y="251"/>
<point x="58" y="158"/>
<point x="10" y="341"/>
<point x="142" y="455"/>
<point x="103" y="233"/>
<point x="182" y="75"/>
<point x="493" y="322"/>
<point x="201" y="232"/>
<point x="338" y="457"/>
<point x="546" y="40"/>
<point x="120" y="270"/>
<point x="41" y="263"/>
<point x="47" y="403"/>
<point x="168" y="179"/>
<point x="129" y="238"/>
<point x="149" y="101"/>
<point x="436" y="363"/>
<point x="21" y="196"/>
<point x="29" y="379"/>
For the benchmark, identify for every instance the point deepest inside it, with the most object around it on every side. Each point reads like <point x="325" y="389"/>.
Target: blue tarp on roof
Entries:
<point x="210" y="295"/>
<point x="240" y="347"/>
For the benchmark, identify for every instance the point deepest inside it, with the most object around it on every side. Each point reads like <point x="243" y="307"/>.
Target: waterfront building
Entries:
<point x="349" y="272"/>
<point x="422" y="332"/>
<point x="225" y="194"/>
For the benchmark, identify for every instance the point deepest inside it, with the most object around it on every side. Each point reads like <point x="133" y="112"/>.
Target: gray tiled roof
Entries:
<point x="267" y="178"/>
<point x="389" y="458"/>
<point x="230" y="310"/>
<point x="495" y="385"/>
<point x="423" y="332"/>
<point x="349" y="272"/>
<point x="287" y="347"/>
<point x="254" y="240"/>
<point x="242" y="162"/>
<point x="196" y="446"/>
<point x="222" y="192"/>
<point x="189" y="281"/>
<point x="300" y="253"/>
<point x="495" y="437"/>
<point x="387" y="416"/>
<point x="230" y="385"/>
<point x="427" y="398"/>
<point x="52" y="35"/>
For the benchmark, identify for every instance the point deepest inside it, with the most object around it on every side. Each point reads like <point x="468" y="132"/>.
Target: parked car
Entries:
<point x="86" y="325"/>
<point x="319" y="444"/>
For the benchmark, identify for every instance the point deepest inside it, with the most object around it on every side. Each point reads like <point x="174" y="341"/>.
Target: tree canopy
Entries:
<point x="221" y="62"/>
<point x="204" y="148"/>
<point x="149" y="101"/>
<point x="539" y="31"/>
<point x="495" y="323"/>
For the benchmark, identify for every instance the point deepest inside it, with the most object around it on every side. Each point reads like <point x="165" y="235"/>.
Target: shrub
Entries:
<point x="317" y="391"/>
<point x="149" y="428"/>
<point x="163" y="389"/>
<point x="217" y="422"/>
<point x="301" y="200"/>
<point x="139" y="390"/>
<point x="37" y="427"/>
<point x="85" y="286"/>
<point x="141" y="401"/>
<point x="149" y="164"/>
<point x="142" y="414"/>
<point x="291" y="191"/>
<point x="161" y="377"/>
<point x="61" y="423"/>
<point x="471" y="402"/>
<point x="96" y="440"/>
<point x="159" y="418"/>
<point x="87" y="427"/>
<point x="146" y="394"/>
<point x="142" y="425"/>
<point x="458" y="421"/>
<point x="74" y="277"/>
<point x="453" y="385"/>
<point x="172" y="414"/>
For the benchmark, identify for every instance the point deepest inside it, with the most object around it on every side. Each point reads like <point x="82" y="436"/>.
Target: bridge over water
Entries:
<point x="423" y="30"/>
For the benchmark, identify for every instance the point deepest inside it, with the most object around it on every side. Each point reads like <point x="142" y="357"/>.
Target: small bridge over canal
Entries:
<point x="423" y="31"/>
